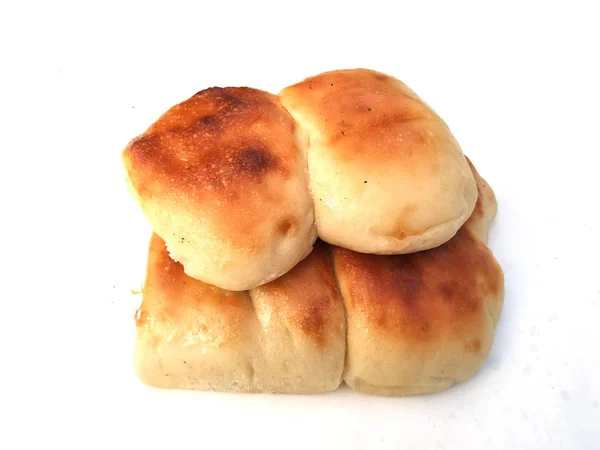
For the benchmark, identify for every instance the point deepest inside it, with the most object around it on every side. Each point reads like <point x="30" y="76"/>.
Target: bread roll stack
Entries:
<point x="332" y="233"/>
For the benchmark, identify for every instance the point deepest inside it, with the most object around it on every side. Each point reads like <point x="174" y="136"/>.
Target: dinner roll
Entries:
<point x="222" y="179"/>
<point x="287" y="336"/>
<point x="419" y="323"/>
<point x="386" y="174"/>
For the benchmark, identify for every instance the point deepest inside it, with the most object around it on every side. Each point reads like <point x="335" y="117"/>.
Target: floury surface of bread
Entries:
<point x="386" y="174"/>
<point x="221" y="178"/>
<point x="412" y="324"/>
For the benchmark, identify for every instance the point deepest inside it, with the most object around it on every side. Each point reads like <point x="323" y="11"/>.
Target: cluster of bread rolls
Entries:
<point x="332" y="233"/>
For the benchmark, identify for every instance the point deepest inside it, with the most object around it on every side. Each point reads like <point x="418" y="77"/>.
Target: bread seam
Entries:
<point x="341" y="297"/>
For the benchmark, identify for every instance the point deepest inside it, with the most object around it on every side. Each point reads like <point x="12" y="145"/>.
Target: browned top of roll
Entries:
<point x="363" y="114"/>
<point x="211" y="150"/>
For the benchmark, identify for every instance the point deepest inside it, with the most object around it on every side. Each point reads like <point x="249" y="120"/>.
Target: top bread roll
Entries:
<point x="225" y="178"/>
<point x="222" y="180"/>
<point x="386" y="174"/>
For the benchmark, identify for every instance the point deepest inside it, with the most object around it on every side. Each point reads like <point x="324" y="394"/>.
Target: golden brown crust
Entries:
<point x="286" y="336"/>
<point x="171" y="297"/>
<point x="213" y="149"/>
<point x="423" y="296"/>
<point x="420" y="322"/>
<point x="386" y="174"/>
<point x="222" y="179"/>
<point x="354" y="107"/>
<point x="308" y="297"/>
<point x="211" y="144"/>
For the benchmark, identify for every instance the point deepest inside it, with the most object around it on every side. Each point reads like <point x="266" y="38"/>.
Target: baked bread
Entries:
<point x="412" y="323"/>
<point x="222" y="180"/>
<point x="287" y="336"/>
<point x="225" y="177"/>
<point x="386" y="174"/>
<point x="419" y="323"/>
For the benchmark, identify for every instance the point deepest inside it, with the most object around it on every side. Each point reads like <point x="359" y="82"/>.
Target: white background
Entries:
<point x="517" y="83"/>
